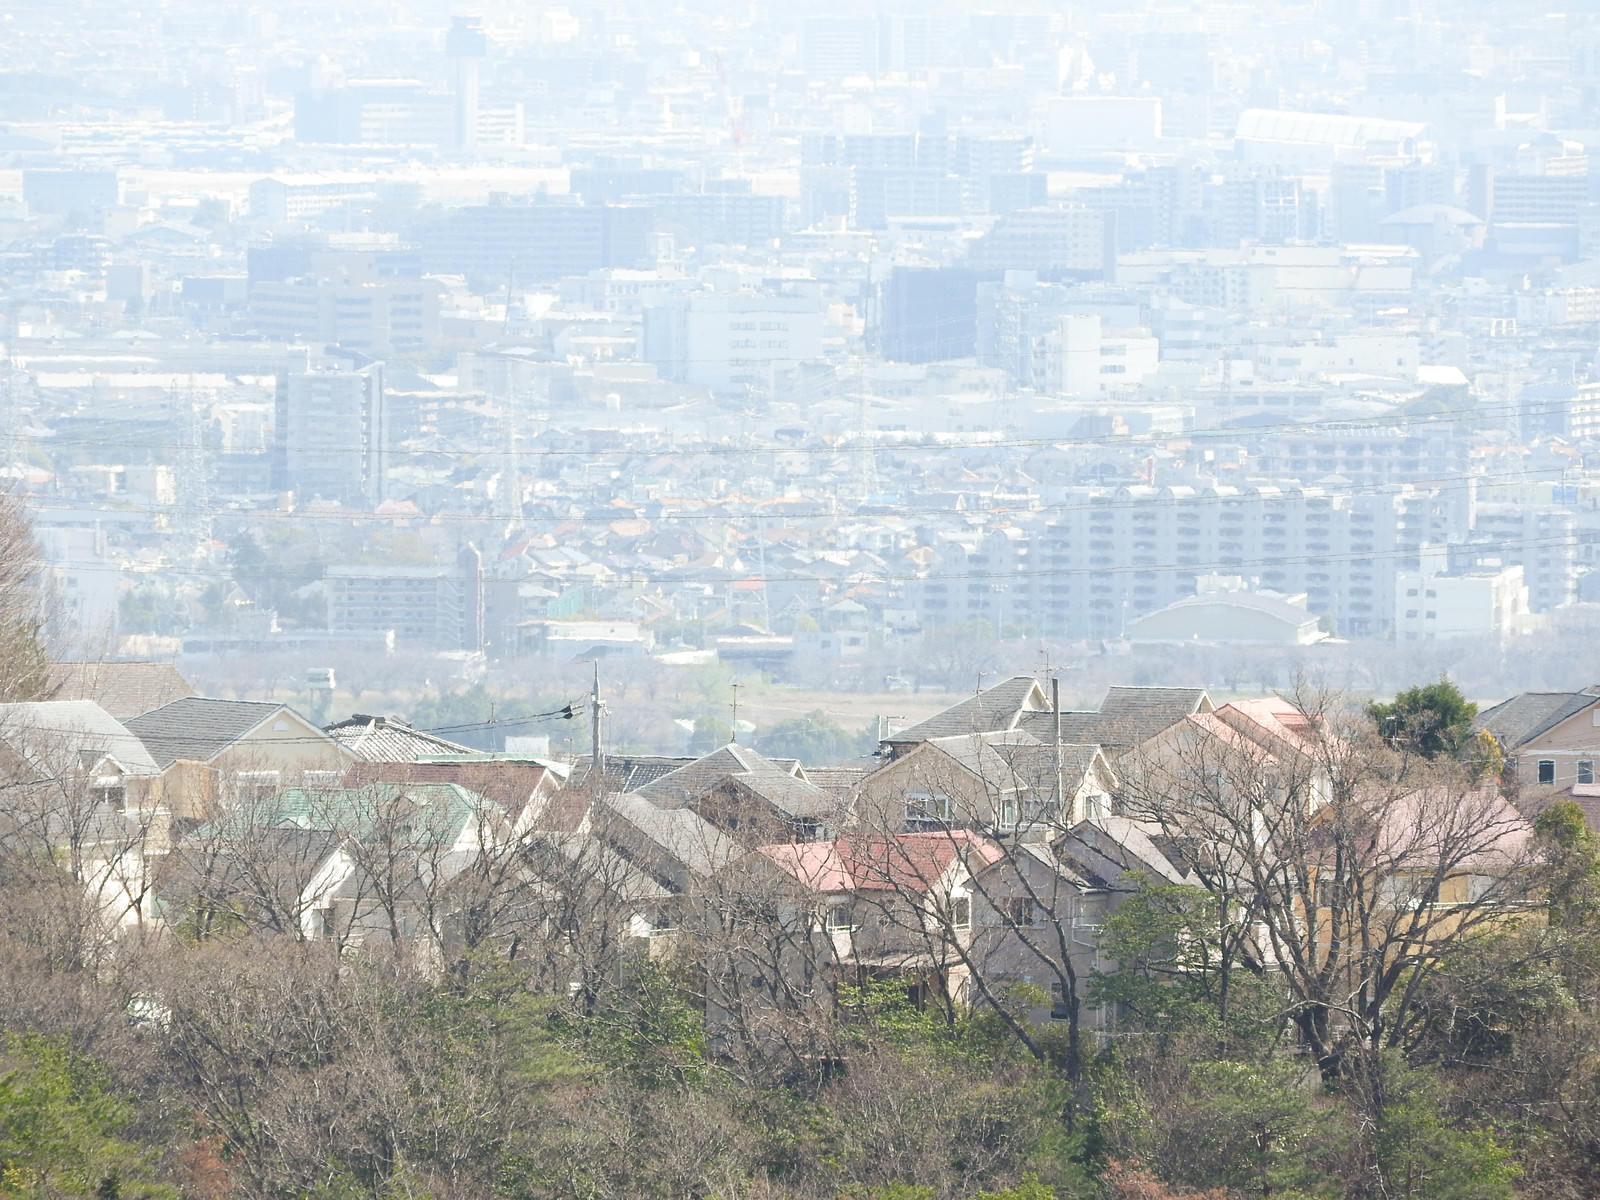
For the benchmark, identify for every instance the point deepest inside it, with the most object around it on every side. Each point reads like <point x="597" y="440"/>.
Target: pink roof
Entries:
<point x="1429" y="828"/>
<point x="912" y="861"/>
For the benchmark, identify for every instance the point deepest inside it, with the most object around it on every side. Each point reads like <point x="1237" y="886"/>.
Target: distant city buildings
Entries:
<point x="792" y="342"/>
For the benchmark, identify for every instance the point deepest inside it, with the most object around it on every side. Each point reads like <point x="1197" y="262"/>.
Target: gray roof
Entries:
<point x="670" y="836"/>
<point x="1127" y="717"/>
<point x="1111" y="847"/>
<point x="389" y="740"/>
<point x="198" y="728"/>
<point x="991" y="711"/>
<point x="840" y="782"/>
<point x="51" y="734"/>
<point x="780" y="782"/>
<point x="1017" y="757"/>
<point x="1522" y="718"/>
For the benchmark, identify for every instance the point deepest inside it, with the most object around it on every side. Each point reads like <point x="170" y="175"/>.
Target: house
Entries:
<point x="82" y="795"/>
<point x="80" y="741"/>
<point x="995" y="710"/>
<point x="751" y="797"/>
<point x="388" y="750"/>
<point x="888" y="907"/>
<point x="210" y="751"/>
<point x="1259" y="753"/>
<point x="371" y="864"/>
<point x="999" y="780"/>
<point x="1039" y="908"/>
<point x="1549" y="739"/>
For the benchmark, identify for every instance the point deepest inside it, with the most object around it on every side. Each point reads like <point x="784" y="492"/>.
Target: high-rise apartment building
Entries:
<point x="332" y="435"/>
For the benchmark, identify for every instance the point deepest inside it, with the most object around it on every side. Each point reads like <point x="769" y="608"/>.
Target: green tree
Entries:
<point x="814" y="739"/>
<point x="1573" y="854"/>
<point x="1177" y="952"/>
<point x="1431" y="719"/>
<point x="60" y="1130"/>
<point x="1418" y="1150"/>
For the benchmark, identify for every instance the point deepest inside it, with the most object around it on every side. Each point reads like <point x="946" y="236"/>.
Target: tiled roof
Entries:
<point x="1523" y="718"/>
<point x="626" y="772"/>
<point x="198" y="728"/>
<point x="123" y="689"/>
<point x="776" y="781"/>
<point x="389" y="739"/>
<point x="839" y="782"/>
<point x="677" y="835"/>
<point x="1126" y="717"/>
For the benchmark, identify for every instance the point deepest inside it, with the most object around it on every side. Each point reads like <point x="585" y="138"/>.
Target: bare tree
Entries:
<point x="24" y="663"/>
<point x="1355" y="870"/>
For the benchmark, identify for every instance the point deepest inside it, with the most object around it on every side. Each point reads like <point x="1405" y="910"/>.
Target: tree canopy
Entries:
<point x="1431" y="719"/>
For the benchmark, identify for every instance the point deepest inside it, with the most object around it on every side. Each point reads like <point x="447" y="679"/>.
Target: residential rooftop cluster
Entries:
<point x="949" y="855"/>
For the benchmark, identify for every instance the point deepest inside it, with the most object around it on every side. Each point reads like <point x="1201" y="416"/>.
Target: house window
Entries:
<point x="1060" y="1010"/>
<point x="841" y="917"/>
<point x="255" y="785"/>
<point x="928" y="810"/>
<point x="961" y="913"/>
<point x="325" y="922"/>
<point x="1094" y="805"/>
<point x="319" y="779"/>
<point x="1008" y="813"/>
<point x="1585" y="770"/>
<point x="1017" y="910"/>
<point x="1547" y="770"/>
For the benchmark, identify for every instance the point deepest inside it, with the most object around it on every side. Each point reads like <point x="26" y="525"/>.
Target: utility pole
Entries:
<point x="596" y="754"/>
<point x="733" y="731"/>
<point x="1055" y="706"/>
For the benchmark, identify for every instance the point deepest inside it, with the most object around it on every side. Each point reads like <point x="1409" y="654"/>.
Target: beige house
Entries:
<point x="1003" y="780"/>
<point x="82" y="796"/>
<point x="213" y="750"/>
<point x="1549" y="739"/>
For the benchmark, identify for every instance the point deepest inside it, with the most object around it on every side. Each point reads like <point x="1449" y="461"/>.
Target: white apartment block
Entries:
<point x="1101" y="558"/>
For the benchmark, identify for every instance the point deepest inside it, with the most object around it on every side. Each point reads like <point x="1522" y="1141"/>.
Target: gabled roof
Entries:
<point x="990" y="711"/>
<point x="58" y="734"/>
<point x="780" y="782"/>
<point x="388" y="739"/>
<point x="905" y="861"/>
<point x="1522" y="718"/>
<point x="1126" y="717"/>
<point x="1112" y="847"/>
<point x="670" y="836"/>
<point x="199" y="728"/>
<point x="123" y="689"/>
